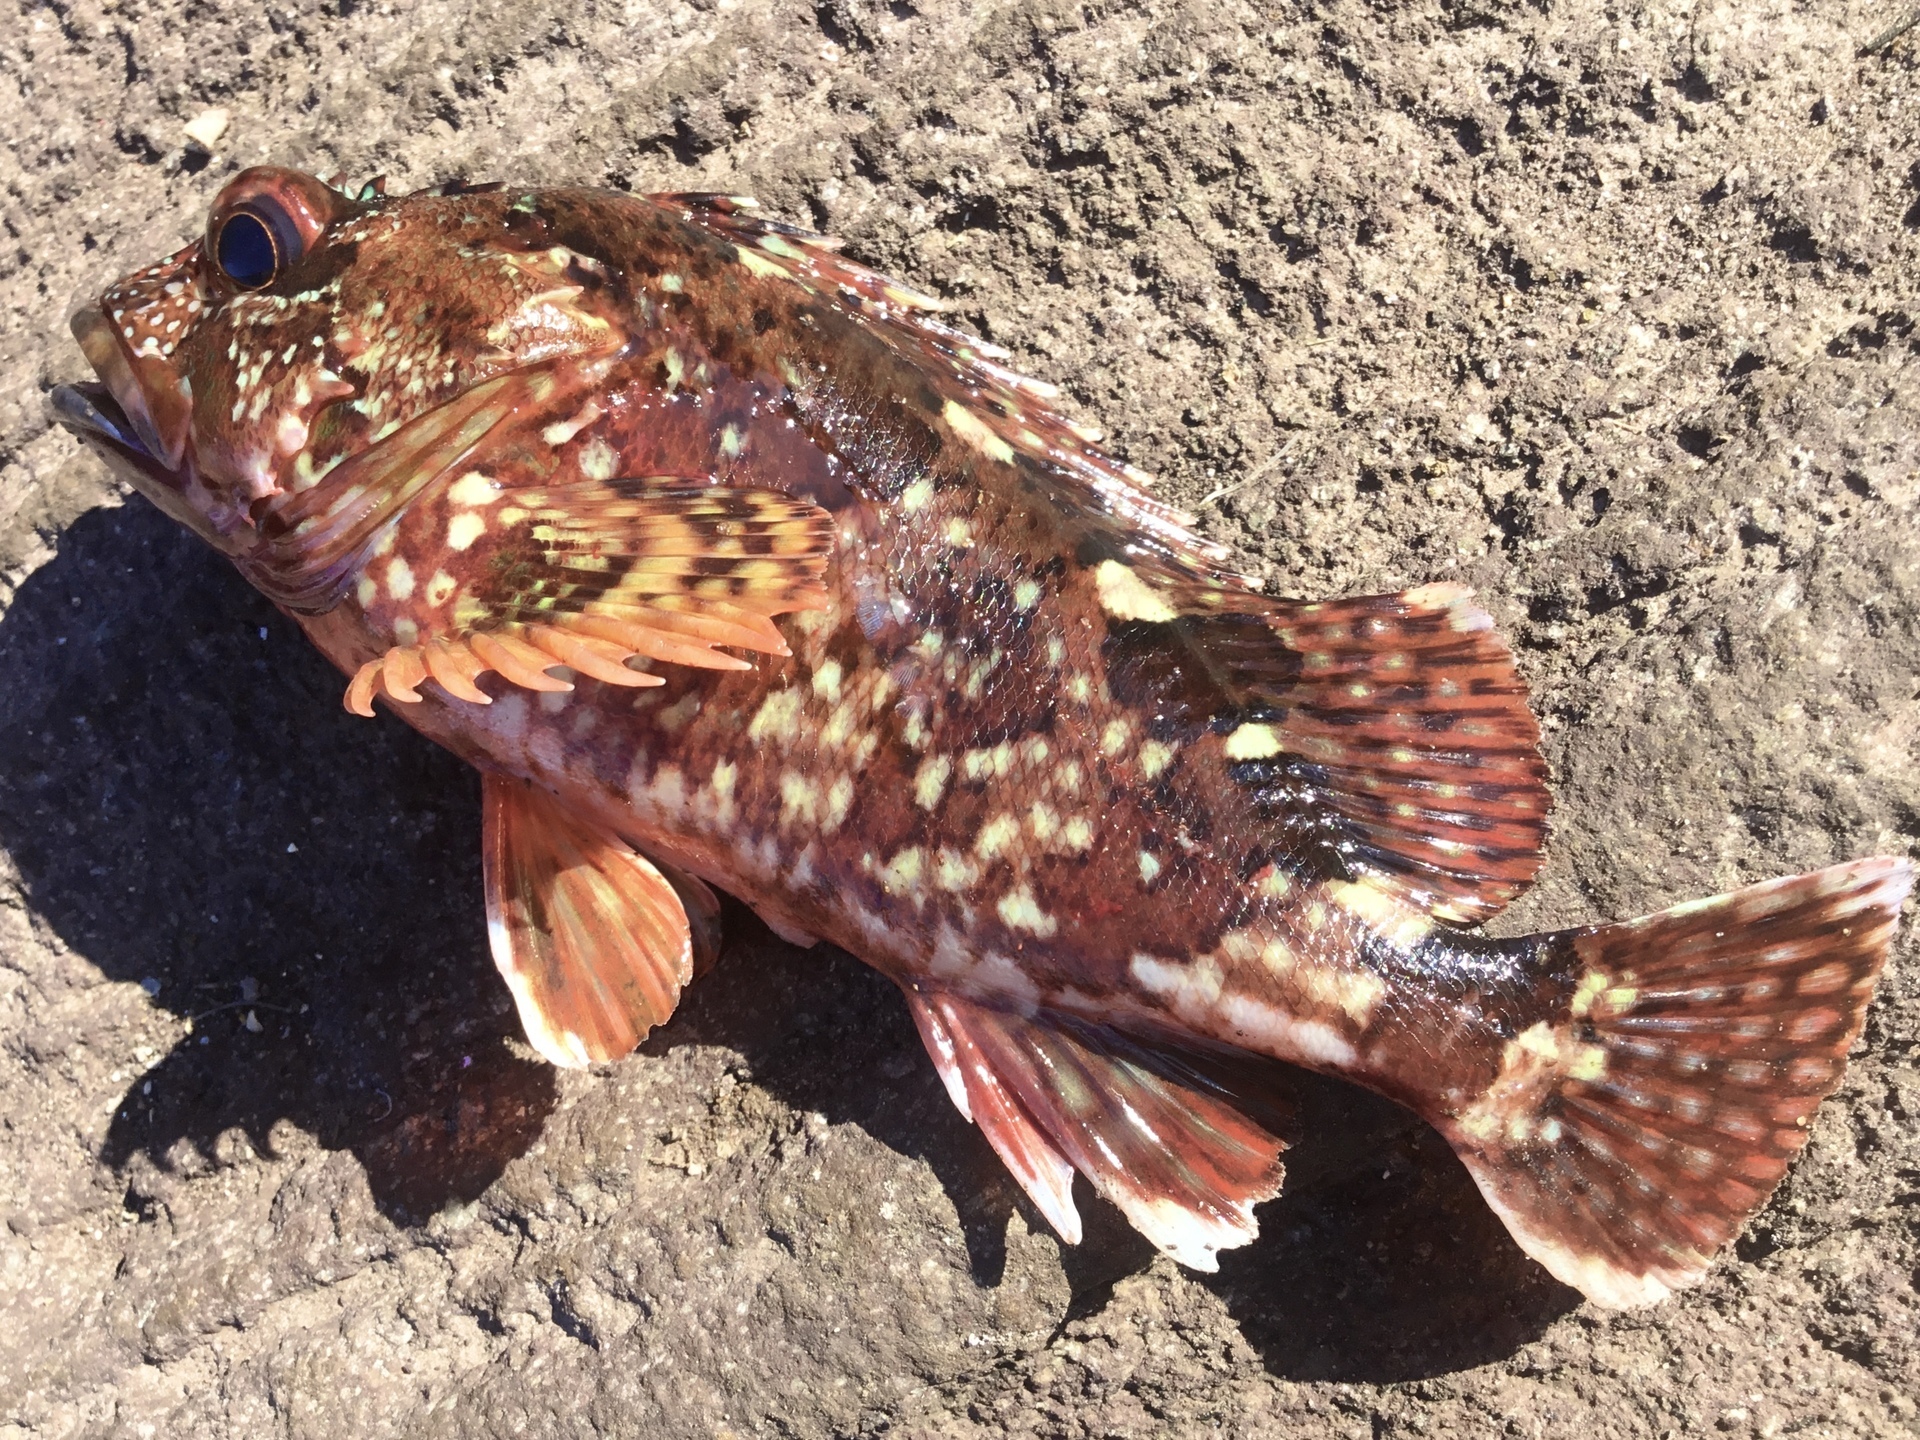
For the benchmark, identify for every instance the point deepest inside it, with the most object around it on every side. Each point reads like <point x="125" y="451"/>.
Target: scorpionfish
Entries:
<point x="729" y="564"/>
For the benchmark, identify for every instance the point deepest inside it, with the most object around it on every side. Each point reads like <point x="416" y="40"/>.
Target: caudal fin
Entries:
<point x="1631" y="1136"/>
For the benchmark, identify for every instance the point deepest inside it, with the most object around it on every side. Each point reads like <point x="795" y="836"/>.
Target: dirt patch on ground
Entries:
<point x="1611" y="317"/>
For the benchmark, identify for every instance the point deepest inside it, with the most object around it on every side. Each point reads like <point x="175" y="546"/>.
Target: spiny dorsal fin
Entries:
<point x="983" y="403"/>
<point x="592" y="938"/>
<point x="1630" y="1136"/>
<point x="1170" y="1146"/>
<point x="589" y="574"/>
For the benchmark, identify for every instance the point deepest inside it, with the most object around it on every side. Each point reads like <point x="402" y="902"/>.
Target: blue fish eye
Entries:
<point x="246" y="251"/>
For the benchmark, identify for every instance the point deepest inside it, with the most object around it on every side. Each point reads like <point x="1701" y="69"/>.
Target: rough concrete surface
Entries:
<point x="1609" y="311"/>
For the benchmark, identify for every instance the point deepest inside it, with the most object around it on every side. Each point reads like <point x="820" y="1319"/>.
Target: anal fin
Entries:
<point x="592" y="938"/>
<point x="1171" y="1146"/>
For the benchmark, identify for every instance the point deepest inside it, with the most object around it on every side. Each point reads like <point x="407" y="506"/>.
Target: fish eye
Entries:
<point x="265" y="222"/>
<point x="246" y="250"/>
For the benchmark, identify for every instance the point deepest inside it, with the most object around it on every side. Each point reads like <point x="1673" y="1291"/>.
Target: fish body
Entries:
<point x="729" y="564"/>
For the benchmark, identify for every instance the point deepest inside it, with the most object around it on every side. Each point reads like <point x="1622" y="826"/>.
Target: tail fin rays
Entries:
<point x="1630" y="1137"/>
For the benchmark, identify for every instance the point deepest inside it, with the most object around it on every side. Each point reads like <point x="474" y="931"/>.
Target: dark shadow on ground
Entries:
<point x="157" y="759"/>
<point x="1380" y="1262"/>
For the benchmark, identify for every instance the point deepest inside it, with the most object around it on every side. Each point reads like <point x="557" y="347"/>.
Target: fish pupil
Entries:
<point x="246" y="251"/>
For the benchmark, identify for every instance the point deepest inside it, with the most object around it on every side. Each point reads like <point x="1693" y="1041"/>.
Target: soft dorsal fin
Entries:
<point x="1171" y="1147"/>
<point x="1384" y="738"/>
<point x="587" y="574"/>
<point x="592" y="938"/>
<point x="1402" y="717"/>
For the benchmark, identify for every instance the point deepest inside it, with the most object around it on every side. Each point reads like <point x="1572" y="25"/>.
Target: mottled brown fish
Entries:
<point x="726" y="562"/>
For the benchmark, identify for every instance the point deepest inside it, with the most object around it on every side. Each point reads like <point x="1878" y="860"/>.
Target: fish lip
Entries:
<point x="90" y="411"/>
<point x="93" y="414"/>
<point x="161" y="421"/>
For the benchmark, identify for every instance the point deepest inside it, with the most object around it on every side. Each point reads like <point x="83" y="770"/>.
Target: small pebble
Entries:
<point x="209" y="125"/>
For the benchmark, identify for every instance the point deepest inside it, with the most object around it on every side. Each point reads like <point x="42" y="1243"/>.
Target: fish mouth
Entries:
<point x="141" y="442"/>
<point x="95" y="416"/>
<point x="153" y="398"/>
<point x="91" y="412"/>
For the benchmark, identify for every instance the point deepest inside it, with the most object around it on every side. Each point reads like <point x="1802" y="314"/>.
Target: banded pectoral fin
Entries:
<point x="589" y="575"/>
<point x="1174" y="1147"/>
<point x="595" y="940"/>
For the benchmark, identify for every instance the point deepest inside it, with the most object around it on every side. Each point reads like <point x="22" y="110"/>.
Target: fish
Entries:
<point x="732" y="566"/>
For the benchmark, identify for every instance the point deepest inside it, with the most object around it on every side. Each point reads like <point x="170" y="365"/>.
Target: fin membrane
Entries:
<point x="593" y="573"/>
<point x="1631" y="1137"/>
<point x="1403" y="717"/>
<point x="1172" y="1147"/>
<point x="1388" y="735"/>
<point x="703" y="915"/>
<point x="593" y="939"/>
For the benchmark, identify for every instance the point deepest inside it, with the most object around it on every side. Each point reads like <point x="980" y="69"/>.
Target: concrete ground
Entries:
<point x="1607" y="311"/>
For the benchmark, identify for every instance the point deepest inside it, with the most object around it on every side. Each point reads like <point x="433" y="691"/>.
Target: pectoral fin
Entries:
<point x="1169" y="1144"/>
<point x="593" y="939"/>
<point x="589" y="575"/>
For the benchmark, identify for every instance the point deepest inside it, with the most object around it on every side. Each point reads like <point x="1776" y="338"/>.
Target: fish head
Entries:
<point x="306" y="325"/>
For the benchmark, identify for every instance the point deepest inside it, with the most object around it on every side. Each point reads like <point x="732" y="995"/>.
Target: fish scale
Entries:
<point x="729" y="563"/>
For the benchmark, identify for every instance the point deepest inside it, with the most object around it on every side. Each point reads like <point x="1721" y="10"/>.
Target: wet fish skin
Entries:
<point x="1018" y="739"/>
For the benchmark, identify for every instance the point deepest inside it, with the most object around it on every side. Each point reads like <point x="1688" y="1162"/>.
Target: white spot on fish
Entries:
<point x="1125" y="596"/>
<point x="465" y="528"/>
<point x="758" y="265"/>
<point x="1155" y="757"/>
<point x="597" y="460"/>
<point x="1253" y="742"/>
<point x="930" y="780"/>
<point x="826" y="680"/>
<point x="1286" y="1037"/>
<point x="1020" y="911"/>
<point x="994" y="837"/>
<point x="400" y="578"/>
<point x="976" y="432"/>
<point x="954" y="871"/>
<point x="901" y="875"/>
